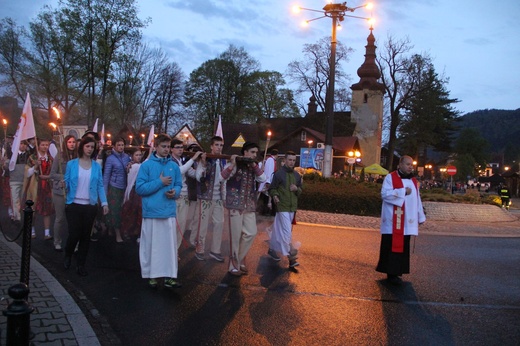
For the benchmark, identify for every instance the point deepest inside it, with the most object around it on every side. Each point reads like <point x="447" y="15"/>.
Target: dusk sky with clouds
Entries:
<point x="474" y="43"/>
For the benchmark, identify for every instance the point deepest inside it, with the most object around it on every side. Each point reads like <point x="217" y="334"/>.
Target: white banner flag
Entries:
<point x="102" y="135"/>
<point x="94" y="128"/>
<point x="219" y="128"/>
<point x="24" y="131"/>
<point x="151" y="136"/>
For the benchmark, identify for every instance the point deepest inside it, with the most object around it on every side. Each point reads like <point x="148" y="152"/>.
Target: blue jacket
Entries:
<point x="96" y="190"/>
<point x="150" y="187"/>
<point x="114" y="173"/>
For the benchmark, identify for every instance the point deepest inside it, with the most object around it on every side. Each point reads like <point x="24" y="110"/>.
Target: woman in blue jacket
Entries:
<point x="84" y="187"/>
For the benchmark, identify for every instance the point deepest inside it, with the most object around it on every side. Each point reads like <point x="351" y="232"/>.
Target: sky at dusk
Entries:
<point x="474" y="43"/>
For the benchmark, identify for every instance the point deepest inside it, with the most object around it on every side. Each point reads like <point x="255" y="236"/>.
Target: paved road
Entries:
<point x="462" y="291"/>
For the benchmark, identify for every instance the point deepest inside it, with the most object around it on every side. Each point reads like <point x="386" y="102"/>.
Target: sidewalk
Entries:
<point x="56" y="318"/>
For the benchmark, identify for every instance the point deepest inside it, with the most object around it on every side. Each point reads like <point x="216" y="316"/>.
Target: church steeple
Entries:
<point x="369" y="72"/>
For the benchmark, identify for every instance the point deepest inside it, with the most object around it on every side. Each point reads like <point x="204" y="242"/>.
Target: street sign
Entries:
<point x="351" y="160"/>
<point x="451" y="170"/>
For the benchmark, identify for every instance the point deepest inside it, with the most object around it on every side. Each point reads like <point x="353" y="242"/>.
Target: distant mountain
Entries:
<point x="499" y="127"/>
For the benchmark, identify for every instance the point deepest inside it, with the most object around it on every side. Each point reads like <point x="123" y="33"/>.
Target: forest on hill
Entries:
<point x="501" y="128"/>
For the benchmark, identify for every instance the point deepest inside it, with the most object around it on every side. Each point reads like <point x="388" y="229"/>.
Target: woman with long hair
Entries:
<point x="84" y="187"/>
<point x="67" y="152"/>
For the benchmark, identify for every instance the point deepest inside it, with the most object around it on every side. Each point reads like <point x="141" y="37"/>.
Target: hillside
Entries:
<point x="499" y="127"/>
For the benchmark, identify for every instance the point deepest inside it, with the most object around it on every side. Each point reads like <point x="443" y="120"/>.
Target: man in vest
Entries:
<point x="241" y="179"/>
<point x="402" y="213"/>
<point x="210" y="193"/>
<point x="505" y="195"/>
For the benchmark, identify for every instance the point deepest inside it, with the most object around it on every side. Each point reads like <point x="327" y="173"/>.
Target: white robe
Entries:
<point x="414" y="213"/>
<point x="158" y="248"/>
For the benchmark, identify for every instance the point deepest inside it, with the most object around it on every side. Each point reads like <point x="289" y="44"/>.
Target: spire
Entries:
<point x="369" y="72"/>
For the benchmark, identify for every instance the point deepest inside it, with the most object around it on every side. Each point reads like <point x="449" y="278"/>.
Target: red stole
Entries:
<point x="398" y="216"/>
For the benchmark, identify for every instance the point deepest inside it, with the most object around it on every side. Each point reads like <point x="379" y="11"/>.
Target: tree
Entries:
<point x="428" y="120"/>
<point x="169" y="97"/>
<point x="312" y="73"/>
<point x="269" y="100"/>
<point x="13" y="57"/>
<point x="399" y="75"/>
<point x="470" y="150"/>
<point x="222" y="86"/>
<point x="106" y="26"/>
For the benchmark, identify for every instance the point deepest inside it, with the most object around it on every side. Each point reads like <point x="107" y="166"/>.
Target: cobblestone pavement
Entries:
<point x="57" y="319"/>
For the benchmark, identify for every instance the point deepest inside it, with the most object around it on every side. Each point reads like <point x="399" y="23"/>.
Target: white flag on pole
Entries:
<point x="102" y="135"/>
<point x="151" y="136"/>
<point x="24" y="131"/>
<point x="219" y="128"/>
<point x="94" y="128"/>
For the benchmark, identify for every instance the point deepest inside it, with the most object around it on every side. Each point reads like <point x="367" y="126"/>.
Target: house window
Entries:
<point x="303" y="136"/>
<point x="365" y="98"/>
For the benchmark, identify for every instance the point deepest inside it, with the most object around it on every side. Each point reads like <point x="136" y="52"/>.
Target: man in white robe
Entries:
<point x="159" y="184"/>
<point x="402" y="213"/>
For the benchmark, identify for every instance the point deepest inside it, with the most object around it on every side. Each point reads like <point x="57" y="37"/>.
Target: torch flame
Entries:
<point x="53" y="125"/>
<point x="55" y="109"/>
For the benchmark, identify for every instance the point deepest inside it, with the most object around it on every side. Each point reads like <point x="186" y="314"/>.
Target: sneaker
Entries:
<point x="243" y="269"/>
<point x="152" y="283"/>
<point x="58" y="248"/>
<point x="293" y="263"/>
<point x="171" y="283"/>
<point x="273" y="255"/>
<point x="235" y="272"/>
<point x="200" y="256"/>
<point x="33" y="235"/>
<point x="47" y="237"/>
<point x="216" y="256"/>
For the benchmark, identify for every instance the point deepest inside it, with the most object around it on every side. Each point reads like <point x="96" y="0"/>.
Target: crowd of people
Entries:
<point x="176" y="191"/>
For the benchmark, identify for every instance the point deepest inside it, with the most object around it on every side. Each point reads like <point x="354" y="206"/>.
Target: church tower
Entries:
<point x="367" y="106"/>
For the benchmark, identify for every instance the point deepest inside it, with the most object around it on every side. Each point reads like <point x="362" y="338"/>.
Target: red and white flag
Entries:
<point x="24" y="131"/>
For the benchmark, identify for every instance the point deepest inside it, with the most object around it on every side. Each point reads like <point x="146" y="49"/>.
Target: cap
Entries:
<point x="90" y="132"/>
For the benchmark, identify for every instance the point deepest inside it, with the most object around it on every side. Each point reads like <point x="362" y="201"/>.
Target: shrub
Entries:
<point x="343" y="196"/>
<point x="348" y="196"/>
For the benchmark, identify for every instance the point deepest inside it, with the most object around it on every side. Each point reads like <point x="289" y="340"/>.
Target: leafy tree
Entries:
<point x="429" y="118"/>
<point x="470" y="150"/>
<point x="268" y="99"/>
<point x="312" y="73"/>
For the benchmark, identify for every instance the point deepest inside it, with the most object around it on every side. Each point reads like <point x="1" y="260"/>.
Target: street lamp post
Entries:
<point x="338" y="13"/>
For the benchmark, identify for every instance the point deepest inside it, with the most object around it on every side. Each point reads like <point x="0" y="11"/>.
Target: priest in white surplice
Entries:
<point x="401" y="215"/>
<point x="159" y="183"/>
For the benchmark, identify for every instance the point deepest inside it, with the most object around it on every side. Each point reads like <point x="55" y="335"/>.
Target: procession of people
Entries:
<point x="175" y="195"/>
